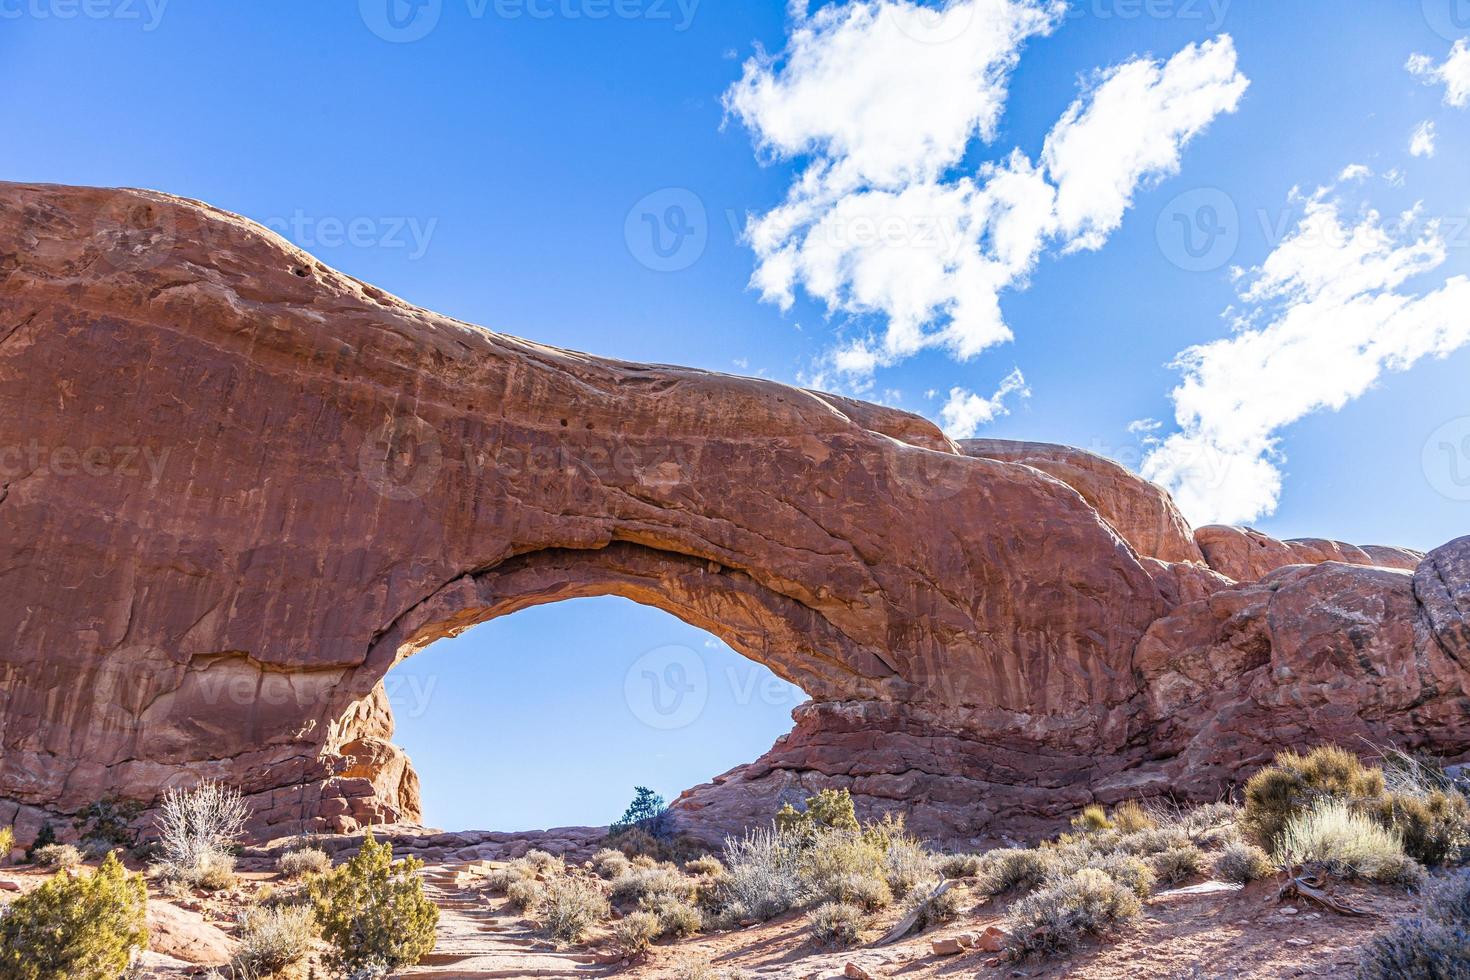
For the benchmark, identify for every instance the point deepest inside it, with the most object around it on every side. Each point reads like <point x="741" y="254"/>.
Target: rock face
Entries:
<point x="1247" y="555"/>
<point x="238" y="487"/>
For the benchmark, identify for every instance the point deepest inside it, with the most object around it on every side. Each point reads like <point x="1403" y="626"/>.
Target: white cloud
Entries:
<point x="883" y="98"/>
<point x="1453" y="74"/>
<point x="1354" y="171"/>
<point x="1421" y="144"/>
<point x="1144" y="427"/>
<point x="966" y="412"/>
<point x="1327" y="313"/>
<point x="1132" y="128"/>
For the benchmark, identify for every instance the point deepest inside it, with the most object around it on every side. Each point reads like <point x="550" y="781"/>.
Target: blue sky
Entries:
<point x="511" y="166"/>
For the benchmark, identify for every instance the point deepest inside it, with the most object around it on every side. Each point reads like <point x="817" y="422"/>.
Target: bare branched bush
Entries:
<point x="570" y="905"/>
<point x="197" y="829"/>
<point x="763" y="876"/>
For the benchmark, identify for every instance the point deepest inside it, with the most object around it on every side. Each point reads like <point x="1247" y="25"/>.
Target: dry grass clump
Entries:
<point x="524" y="894"/>
<point x="635" y="932"/>
<point x="542" y="863"/>
<point x="7" y="844"/>
<point x="303" y="862"/>
<point x="959" y="865"/>
<point x="676" y="916"/>
<point x="1053" y="920"/>
<point x="1346" y="844"/>
<point x="1243" y="863"/>
<point x="836" y="924"/>
<point x="1011" y="868"/>
<point x="271" y="939"/>
<point x="1130" y="817"/>
<point x="1092" y="818"/>
<point x="763" y="879"/>
<point x="1177" y="864"/>
<point x="1434" y="945"/>
<point x="57" y="857"/>
<point x="609" y="863"/>
<point x="705" y="866"/>
<point x="637" y="884"/>
<point x="907" y="865"/>
<point x="862" y="890"/>
<point x="934" y="907"/>
<point x="1434" y="826"/>
<point x="569" y="906"/>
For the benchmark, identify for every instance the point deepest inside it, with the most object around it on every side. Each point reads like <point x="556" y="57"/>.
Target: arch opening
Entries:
<point x="550" y="717"/>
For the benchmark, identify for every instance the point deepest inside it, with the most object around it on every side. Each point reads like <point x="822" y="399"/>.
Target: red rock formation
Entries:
<point x="1246" y="555"/>
<point x="237" y="487"/>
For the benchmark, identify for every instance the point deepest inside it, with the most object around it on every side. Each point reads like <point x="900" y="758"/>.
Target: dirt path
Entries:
<point x="479" y="940"/>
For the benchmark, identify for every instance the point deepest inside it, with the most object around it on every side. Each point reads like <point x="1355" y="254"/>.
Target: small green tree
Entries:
<point x="373" y="911"/>
<point x="108" y="822"/>
<point x="76" y="928"/>
<point x="646" y="813"/>
<point x="830" y="809"/>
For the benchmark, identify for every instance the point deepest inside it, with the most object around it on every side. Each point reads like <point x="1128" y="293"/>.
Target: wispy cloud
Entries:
<point x="1453" y="73"/>
<point x="1421" y="144"/>
<point x="966" y="412"/>
<point x="881" y="100"/>
<point x="1322" y="318"/>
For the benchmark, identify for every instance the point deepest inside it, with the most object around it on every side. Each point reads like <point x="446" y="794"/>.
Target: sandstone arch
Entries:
<point x="256" y="482"/>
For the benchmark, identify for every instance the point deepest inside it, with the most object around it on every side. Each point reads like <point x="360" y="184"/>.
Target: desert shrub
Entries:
<point x="640" y="883"/>
<point x="861" y="890"/>
<point x="933" y="906"/>
<point x="1133" y="873"/>
<point x="832" y="855"/>
<point x="1434" y="826"/>
<point x="525" y="894"/>
<point x="1146" y="843"/>
<point x="542" y="863"/>
<point x="569" y="906"/>
<point x="1053" y="920"/>
<point x="1434" y="945"/>
<point x="58" y="857"/>
<point x="1130" y="817"/>
<point x="46" y="835"/>
<point x="635" y="932"/>
<point x="907" y="865"/>
<point x="609" y="863"/>
<point x="1177" y="864"/>
<point x="960" y="865"/>
<point x="1092" y="818"/>
<point x="1243" y="863"/>
<point x="676" y="916"/>
<point x="307" y="861"/>
<point x="1008" y="868"/>
<point x="271" y="939"/>
<point x="82" y="927"/>
<point x="763" y="879"/>
<point x="197" y="829"/>
<point x="500" y="879"/>
<point x="836" y="924"/>
<point x="373" y="912"/>
<point x="107" y="824"/>
<point x="7" y="844"/>
<point x="830" y="809"/>
<point x="707" y="864"/>
<point x="1293" y="783"/>
<point x="1348" y="845"/>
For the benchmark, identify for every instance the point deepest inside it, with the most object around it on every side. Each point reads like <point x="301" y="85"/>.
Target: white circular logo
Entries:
<point x="401" y="21"/>
<point x="1199" y="230"/>
<point x="401" y="459"/>
<point x="667" y="688"/>
<point x="933" y="25"/>
<point x="1447" y="459"/>
<point x="1450" y="19"/>
<point x="668" y="230"/>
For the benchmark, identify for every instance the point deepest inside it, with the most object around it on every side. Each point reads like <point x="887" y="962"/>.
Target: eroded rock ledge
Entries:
<point x="238" y="486"/>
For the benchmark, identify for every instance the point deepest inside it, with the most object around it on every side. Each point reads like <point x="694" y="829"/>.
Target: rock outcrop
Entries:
<point x="1246" y="555"/>
<point x="238" y="487"/>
